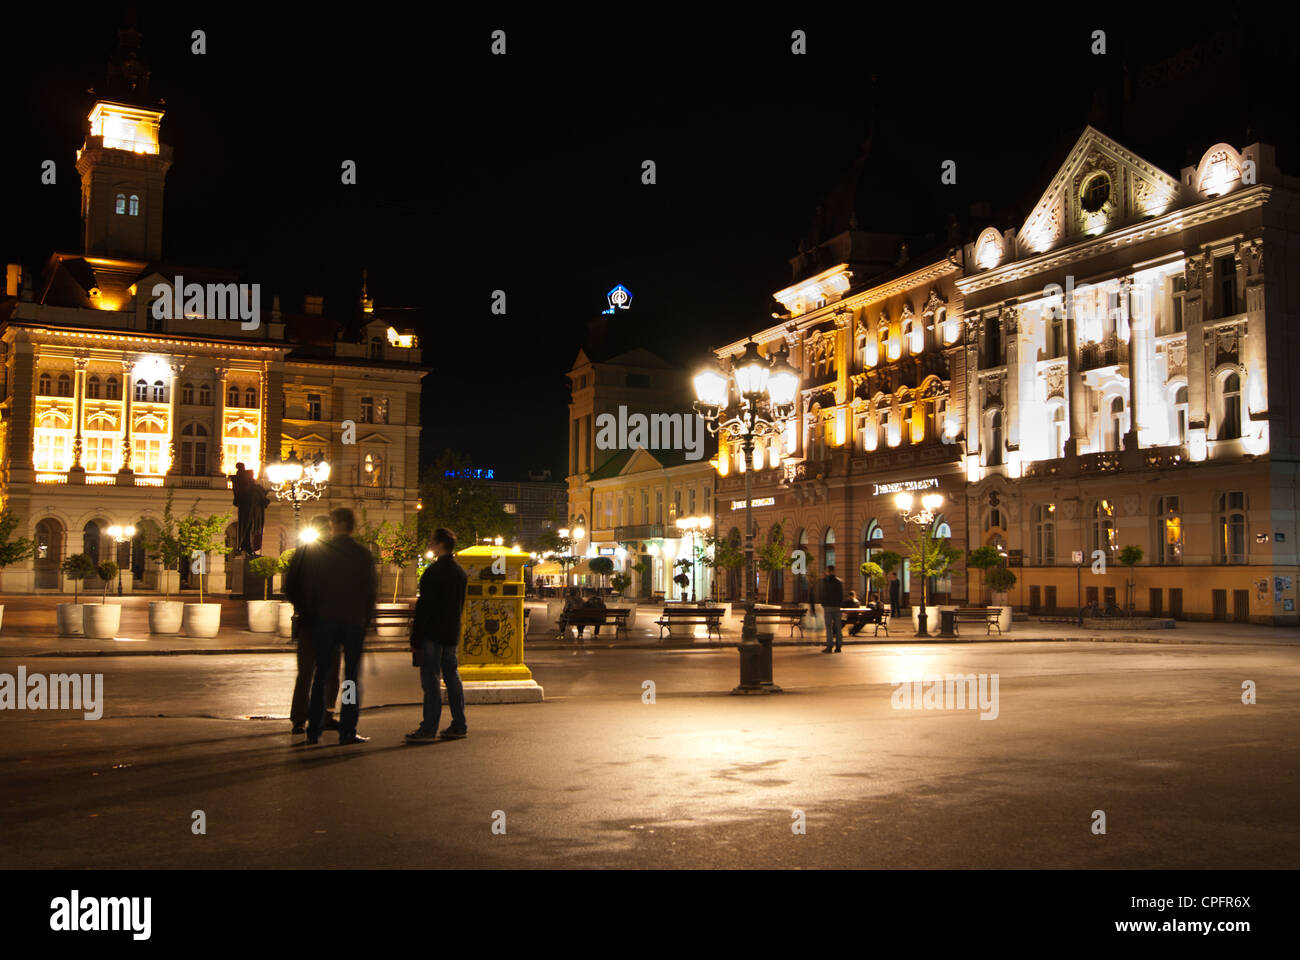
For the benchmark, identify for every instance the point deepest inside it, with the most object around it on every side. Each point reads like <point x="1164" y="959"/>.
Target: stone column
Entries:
<point x="219" y="431"/>
<point x="173" y="468"/>
<point x="78" y="473"/>
<point x="1139" y="362"/>
<point x="1078" y="397"/>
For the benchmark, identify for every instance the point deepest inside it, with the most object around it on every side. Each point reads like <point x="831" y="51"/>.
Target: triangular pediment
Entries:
<point x="640" y="461"/>
<point x="1100" y="186"/>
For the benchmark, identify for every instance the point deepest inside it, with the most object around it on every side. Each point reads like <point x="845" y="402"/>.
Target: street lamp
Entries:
<point x="925" y="517"/>
<point x="296" y="481"/>
<point x="692" y="525"/>
<point x="120" y="535"/>
<point x="751" y="400"/>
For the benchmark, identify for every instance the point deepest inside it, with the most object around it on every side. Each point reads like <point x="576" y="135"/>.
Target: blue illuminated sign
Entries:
<point x="477" y="473"/>
<point x="620" y="298"/>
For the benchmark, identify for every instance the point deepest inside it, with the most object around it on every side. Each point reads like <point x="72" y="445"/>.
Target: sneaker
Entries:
<point x="838" y="650"/>
<point x="311" y="741"/>
<point x="420" y="735"/>
<point x="355" y="738"/>
<point x="453" y="734"/>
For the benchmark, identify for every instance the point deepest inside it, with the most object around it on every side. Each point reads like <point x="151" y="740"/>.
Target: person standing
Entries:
<point x="295" y="588"/>
<point x="435" y="637"/>
<point x="830" y="591"/>
<point x="341" y="590"/>
<point x="895" y="594"/>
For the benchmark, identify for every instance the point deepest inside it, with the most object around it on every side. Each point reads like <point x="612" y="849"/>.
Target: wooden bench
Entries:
<point x="784" y="614"/>
<point x="989" y="616"/>
<point x="853" y="616"/>
<point x="595" y="617"/>
<point x="686" y="615"/>
<point x="403" y="620"/>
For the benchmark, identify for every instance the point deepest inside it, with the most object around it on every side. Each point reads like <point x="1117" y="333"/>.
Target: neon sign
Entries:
<point x="620" y="298"/>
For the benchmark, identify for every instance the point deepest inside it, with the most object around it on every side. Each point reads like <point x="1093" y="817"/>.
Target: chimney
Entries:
<point x="313" y="305"/>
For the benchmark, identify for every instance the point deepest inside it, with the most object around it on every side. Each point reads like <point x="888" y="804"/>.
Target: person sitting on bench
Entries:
<point x="594" y="602"/>
<point x="874" y="613"/>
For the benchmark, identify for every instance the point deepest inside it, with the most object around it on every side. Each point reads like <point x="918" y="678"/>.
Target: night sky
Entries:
<point x="523" y="172"/>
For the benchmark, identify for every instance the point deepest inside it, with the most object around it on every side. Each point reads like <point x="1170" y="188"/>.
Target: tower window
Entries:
<point x="134" y="207"/>
<point x="120" y="206"/>
<point x="376" y="348"/>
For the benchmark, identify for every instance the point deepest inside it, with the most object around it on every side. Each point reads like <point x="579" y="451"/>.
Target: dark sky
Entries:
<point x="522" y="173"/>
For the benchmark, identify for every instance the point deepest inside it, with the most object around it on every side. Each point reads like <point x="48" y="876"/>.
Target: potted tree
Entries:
<point x="263" y="615"/>
<point x="398" y="547"/>
<point x="1130" y="556"/>
<point x="76" y="567"/>
<point x="875" y="575"/>
<point x="200" y="536"/>
<point x="1001" y="580"/>
<point x="11" y="551"/>
<point x="166" y="550"/>
<point x="983" y="559"/>
<point x="286" y="608"/>
<point x="620" y="582"/>
<point x="102" y="619"/>
<point x="930" y="557"/>
<point x="774" y="557"/>
<point x="601" y="566"/>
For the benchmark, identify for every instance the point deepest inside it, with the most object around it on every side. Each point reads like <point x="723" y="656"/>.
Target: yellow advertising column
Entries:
<point x="492" y="628"/>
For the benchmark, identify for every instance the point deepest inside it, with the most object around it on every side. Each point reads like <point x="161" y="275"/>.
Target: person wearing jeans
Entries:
<point x="830" y="591"/>
<point x="435" y="634"/>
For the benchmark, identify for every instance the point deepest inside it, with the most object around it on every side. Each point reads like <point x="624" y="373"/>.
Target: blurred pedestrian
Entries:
<point x="435" y="638"/>
<point x="830" y="591"/>
<point x="295" y="590"/>
<point x="895" y="594"/>
<point x="341" y="589"/>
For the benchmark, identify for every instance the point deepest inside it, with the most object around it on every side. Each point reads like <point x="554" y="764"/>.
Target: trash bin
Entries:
<point x="492" y="628"/>
<point x="947" y="620"/>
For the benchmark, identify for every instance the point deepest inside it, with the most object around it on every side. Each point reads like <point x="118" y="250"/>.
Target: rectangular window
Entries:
<point x="367" y="409"/>
<point x="1180" y="290"/>
<point x="690" y="501"/>
<point x="659" y="506"/>
<point x="313" y="406"/>
<point x="99" y="454"/>
<point x="52" y="450"/>
<point x="148" y="455"/>
<point x="1225" y="272"/>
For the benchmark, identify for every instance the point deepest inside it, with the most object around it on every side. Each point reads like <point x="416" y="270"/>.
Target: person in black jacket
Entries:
<point x="295" y="588"/>
<point x="339" y="589"/>
<point x="830" y="591"/>
<point x="436" y="635"/>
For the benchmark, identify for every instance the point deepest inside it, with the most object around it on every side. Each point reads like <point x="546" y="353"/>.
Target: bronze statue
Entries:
<point x="251" y="499"/>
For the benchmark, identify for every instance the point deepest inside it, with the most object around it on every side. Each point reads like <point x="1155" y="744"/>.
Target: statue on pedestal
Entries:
<point x="250" y="498"/>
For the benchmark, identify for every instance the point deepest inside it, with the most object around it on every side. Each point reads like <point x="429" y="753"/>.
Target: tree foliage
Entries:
<point x="399" y="546"/>
<point x="12" y="551"/>
<point x="77" y="567"/>
<point x="463" y="504"/>
<point x="165" y="548"/>
<point x="200" y="535"/>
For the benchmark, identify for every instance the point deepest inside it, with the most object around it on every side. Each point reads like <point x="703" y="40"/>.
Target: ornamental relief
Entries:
<point x="1177" y="359"/>
<point x="1253" y="255"/>
<point x="1055" y="381"/>
<point x="1013" y="321"/>
<point x="992" y="392"/>
<point x="933" y="303"/>
<point x="1225" y="344"/>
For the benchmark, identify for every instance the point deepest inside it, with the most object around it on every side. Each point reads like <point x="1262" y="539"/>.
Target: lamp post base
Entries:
<point x="755" y="658"/>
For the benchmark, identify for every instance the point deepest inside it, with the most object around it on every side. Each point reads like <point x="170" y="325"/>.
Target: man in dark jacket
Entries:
<point x="895" y="594"/>
<point x="830" y="591"/>
<point x="295" y="588"/>
<point x="340" y="589"/>
<point x="436" y="635"/>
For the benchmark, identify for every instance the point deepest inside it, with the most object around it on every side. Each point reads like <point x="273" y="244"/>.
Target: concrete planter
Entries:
<point x="1000" y="603"/>
<point x="101" y="620"/>
<point x="201" y="620"/>
<point x="931" y="619"/>
<point x="165" y="616"/>
<point x="285" y="623"/>
<point x="263" y="615"/>
<point x="70" y="619"/>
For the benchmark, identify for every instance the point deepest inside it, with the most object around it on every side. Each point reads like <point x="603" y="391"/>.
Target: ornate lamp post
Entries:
<point x="751" y="400"/>
<point x="297" y="482"/>
<point x="120" y="536"/>
<point x="925" y="517"/>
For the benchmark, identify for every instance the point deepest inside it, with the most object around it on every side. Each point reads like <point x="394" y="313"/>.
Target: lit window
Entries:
<point x="313" y="406"/>
<point x="65" y="385"/>
<point x="135" y="205"/>
<point x="158" y="391"/>
<point x="141" y="390"/>
<point x="120" y="206"/>
<point x="45" y="385"/>
<point x="1231" y="545"/>
<point x="1169" y="530"/>
<point x="1102" y="528"/>
<point x="1230" y="425"/>
<point x="1044" y="523"/>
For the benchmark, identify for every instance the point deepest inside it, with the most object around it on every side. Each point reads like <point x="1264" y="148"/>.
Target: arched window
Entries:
<point x="1056" y="335"/>
<point x="1043" y="518"/>
<point x="376" y="348"/>
<point x="940" y="529"/>
<point x="205" y="395"/>
<point x="250" y="397"/>
<point x="187" y="392"/>
<point x="120" y="205"/>
<point x="1101" y="529"/>
<point x="1230" y="424"/>
<point x="1180" y="413"/>
<point x="882" y="342"/>
<point x="135" y="205"/>
<point x="93" y="387"/>
<point x="232" y="396"/>
<point x="194" y="450"/>
<point x="373" y="475"/>
<point x="994" y="457"/>
<point x="158" y="390"/>
<point x="1231" y="524"/>
<point x="45" y="385"/>
<point x="90" y="541"/>
<point x="1169" y="530"/>
<point x="65" y="385"/>
<point x="1060" y="431"/>
<point x="141" y="390"/>
<point x="994" y="520"/>
<point x="1114" y="426"/>
<point x="828" y="548"/>
<point x="112" y="389"/>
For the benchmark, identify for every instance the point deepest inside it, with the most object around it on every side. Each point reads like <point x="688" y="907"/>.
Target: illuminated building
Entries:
<point x="107" y="406"/>
<point x="1130" y="382"/>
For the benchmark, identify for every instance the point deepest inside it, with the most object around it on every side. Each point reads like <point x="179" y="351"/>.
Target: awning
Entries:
<point x="548" y="569"/>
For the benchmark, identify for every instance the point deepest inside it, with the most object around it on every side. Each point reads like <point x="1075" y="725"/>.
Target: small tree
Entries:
<point x="106" y="571"/>
<point x="774" y="556"/>
<point x="264" y="568"/>
<point x="888" y="560"/>
<point x="983" y="559"/>
<point x="621" y="582"/>
<point x="12" y="551"/>
<point x="930" y="556"/>
<point x="76" y="568"/>
<point x="601" y="566"/>
<point x="166" y="547"/>
<point x="1131" y="556"/>
<point x="875" y="576"/>
<point x="721" y="554"/>
<point x="199" y="536"/>
<point x="398" y="548"/>
<point x="1001" y="579"/>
